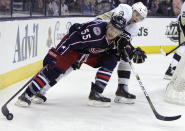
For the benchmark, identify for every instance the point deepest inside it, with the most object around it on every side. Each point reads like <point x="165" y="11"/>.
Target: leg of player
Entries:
<point x="180" y="50"/>
<point x="37" y="98"/>
<point x="107" y="63"/>
<point x="95" y="97"/>
<point x="122" y="94"/>
<point x="43" y="80"/>
<point x="175" y="61"/>
<point x="53" y="67"/>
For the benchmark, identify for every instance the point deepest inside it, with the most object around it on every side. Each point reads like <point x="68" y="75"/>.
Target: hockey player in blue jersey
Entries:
<point x="107" y="61"/>
<point x="92" y="38"/>
<point x="133" y="14"/>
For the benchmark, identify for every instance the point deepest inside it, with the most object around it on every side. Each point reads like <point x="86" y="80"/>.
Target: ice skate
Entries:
<point x="97" y="99"/>
<point x="23" y="100"/>
<point x="38" y="98"/>
<point x="123" y="96"/>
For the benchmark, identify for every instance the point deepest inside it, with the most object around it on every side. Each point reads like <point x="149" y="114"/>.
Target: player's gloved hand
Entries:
<point x="139" y="55"/>
<point x="123" y="43"/>
<point x="76" y="65"/>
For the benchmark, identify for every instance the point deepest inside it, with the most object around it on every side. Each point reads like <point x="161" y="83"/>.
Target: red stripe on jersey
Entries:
<point x="40" y="82"/>
<point x="103" y="76"/>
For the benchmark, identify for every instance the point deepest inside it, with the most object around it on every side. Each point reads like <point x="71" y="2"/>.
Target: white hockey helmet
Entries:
<point x="140" y="8"/>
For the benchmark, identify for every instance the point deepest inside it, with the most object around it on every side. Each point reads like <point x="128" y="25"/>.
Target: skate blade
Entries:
<point x="37" y="100"/>
<point x="119" y="99"/>
<point x="21" y="103"/>
<point x="95" y="103"/>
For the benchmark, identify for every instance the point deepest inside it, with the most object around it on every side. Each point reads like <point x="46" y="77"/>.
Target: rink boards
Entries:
<point x="24" y="43"/>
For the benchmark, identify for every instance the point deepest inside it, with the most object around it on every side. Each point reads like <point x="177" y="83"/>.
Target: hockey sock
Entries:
<point x="102" y="77"/>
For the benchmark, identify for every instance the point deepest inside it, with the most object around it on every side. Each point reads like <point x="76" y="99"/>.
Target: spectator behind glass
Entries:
<point x="123" y="1"/>
<point x="64" y="8"/>
<point x="53" y="8"/>
<point x="75" y="7"/>
<point x="165" y="8"/>
<point x="145" y="2"/>
<point x="70" y="4"/>
<point x="86" y="7"/>
<point x="4" y="5"/>
<point x="93" y="4"/>
<point x="117" y="2"/>
<point x="26" y="4"/>
<point x="153" y="7"/>
<point x="40" y="4"/>
<point x="37" y="6"/>
<point x="177" y="4"/>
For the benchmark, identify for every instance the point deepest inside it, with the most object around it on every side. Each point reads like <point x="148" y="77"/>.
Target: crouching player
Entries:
<point x="138" y="13"/>
<point x="83" y="40"/>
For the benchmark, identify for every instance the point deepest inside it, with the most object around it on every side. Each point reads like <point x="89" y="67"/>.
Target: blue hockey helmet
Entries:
<point x="118" y="22"/>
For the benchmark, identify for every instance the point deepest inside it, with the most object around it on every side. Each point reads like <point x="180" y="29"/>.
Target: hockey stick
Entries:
<point x="4" y="109"/>
<point x="158" y="116"/>
<point x="166" y="54"/>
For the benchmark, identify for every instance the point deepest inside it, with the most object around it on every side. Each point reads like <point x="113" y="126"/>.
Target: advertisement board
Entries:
<point x="24" y="43"/>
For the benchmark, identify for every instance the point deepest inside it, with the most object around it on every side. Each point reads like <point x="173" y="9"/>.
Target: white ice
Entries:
<point x="66" y="108"/>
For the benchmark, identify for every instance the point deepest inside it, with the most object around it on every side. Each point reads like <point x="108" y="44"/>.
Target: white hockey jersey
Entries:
<point x="125" y="11"/>
<point x="182" y="14"/>
<point x="181" y="22"/>
<point x="183" y="9"/>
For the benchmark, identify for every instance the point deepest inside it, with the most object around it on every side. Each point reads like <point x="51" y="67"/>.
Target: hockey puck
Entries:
<point x="9" y="116"/>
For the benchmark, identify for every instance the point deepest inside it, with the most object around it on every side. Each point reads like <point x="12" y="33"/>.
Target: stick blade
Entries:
<point x="5" y="110"/>
<point x="167" y="118"/>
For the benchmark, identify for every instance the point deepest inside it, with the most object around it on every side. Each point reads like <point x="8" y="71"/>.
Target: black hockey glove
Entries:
<point x="123" y="43"/>
<point x="76" y="65"/>
<point x="139" y="55"/>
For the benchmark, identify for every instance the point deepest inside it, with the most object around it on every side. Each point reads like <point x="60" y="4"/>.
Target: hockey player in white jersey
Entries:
<point x="181" y="49"/>
<point x="133" y="15"/>
<point x="175" y="89"/>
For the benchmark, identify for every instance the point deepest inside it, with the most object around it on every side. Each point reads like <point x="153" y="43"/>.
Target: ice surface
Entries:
<point x="66" y="108"/>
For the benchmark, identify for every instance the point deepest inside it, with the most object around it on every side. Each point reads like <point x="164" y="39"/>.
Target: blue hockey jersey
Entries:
<point x="87" y="37"/>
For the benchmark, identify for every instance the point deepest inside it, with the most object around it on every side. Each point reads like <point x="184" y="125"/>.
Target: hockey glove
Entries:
<point x="123" y="43"/>
<point x="139" y="55"/>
